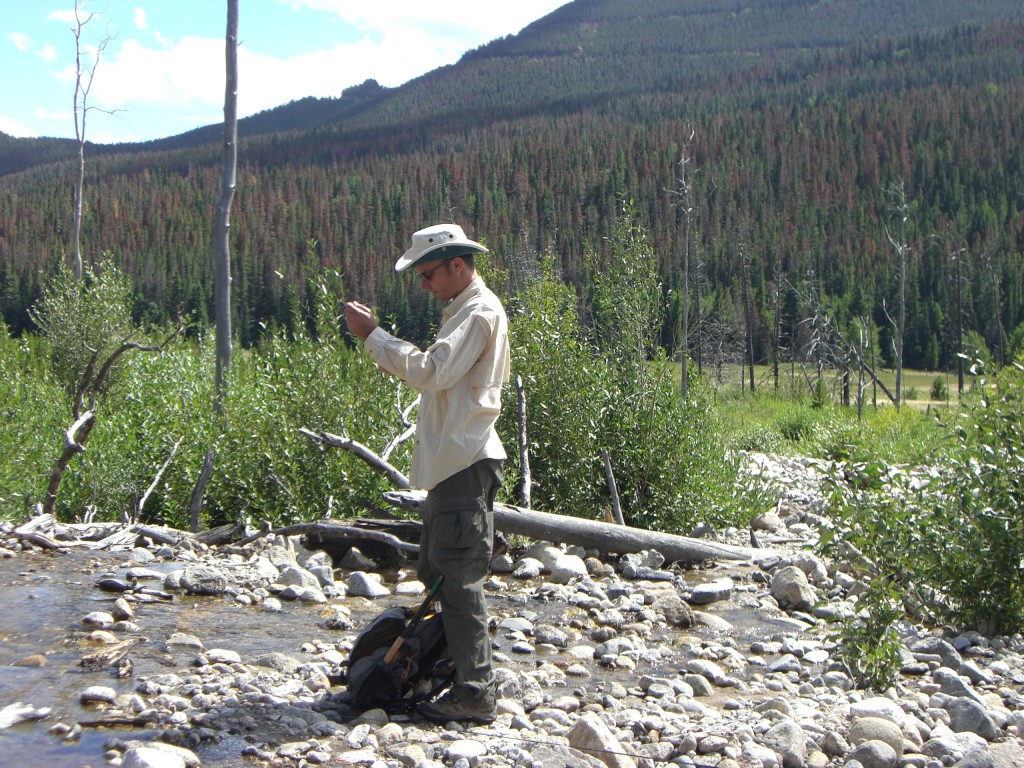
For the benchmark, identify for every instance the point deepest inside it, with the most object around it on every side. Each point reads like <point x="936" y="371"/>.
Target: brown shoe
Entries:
<point x="461" y="703"/>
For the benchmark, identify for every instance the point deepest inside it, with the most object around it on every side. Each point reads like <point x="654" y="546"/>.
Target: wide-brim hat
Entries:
<point x="441" y="241"/>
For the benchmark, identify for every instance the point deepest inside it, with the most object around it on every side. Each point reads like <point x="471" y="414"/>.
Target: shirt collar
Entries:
<point x="471" y="291"/>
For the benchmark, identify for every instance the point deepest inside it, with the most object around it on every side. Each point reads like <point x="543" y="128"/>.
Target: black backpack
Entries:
<point x="417" y="671"/>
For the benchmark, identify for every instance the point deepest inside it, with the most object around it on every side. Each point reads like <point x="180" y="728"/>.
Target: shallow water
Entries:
<point x="44" y="599"/>
<point x="45" y="596"/>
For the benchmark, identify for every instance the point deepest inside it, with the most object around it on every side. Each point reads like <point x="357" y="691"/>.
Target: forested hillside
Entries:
<point x="804" y="116"/>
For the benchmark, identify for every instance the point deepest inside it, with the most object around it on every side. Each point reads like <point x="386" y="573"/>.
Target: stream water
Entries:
<point x="44" y="599"/>
<point x="45" y="596"/>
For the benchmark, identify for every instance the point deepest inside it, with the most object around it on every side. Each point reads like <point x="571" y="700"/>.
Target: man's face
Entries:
<point x="439" y="277"/>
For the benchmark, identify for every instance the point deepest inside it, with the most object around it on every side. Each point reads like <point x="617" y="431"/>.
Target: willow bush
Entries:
<point x="950" y="536"/>
<point x="605" y="387"/>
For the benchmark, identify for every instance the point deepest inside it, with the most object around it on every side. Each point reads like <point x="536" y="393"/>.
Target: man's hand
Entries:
<point x="360" y="319"/>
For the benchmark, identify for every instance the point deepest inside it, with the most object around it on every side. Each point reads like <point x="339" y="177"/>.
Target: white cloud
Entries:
<point x="21" y="41"/>
<point x="47" y="53"/>
<point x="67" y="17"/>
<point x="266" y="81"/>
<point x="150" y="75"/>
<point x="443" y="19"/>
<point x="49" y="114"/>
<point x="12" y="127"/>
<point x="183" y="75"/>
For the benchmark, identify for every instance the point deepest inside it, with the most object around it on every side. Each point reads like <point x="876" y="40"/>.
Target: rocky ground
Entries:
<point x="617" y="663"/>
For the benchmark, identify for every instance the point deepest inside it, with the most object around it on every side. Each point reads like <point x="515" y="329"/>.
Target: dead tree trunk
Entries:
<point x="591" y="534"/>
<point x="78" y="433"/>
<point x="545" y="526"/>
<point x="525" y="480"/>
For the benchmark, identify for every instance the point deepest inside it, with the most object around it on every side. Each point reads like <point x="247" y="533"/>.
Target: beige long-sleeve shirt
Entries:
<point x="459" y="378"/>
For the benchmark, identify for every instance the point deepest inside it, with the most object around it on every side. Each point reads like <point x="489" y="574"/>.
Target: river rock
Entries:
<point x="567" y="568"/>
<point x="469" y="750"/>
<point x="98" y="619"/>
<point x="98" y="694"/>
<point x="767" y="521"/>
<point x="527" y="568"/>
<point x="712" y="591"/>
<point x="203" y="580"/>
<point x="878" y="706"/>
<point x="813" y="567"/>
<point x="148" y="757"/>
<point x="937" y="646"/>
<point x="789" y="586"/>
<point x="952" y="747"/>
<point x="676" y="611"/>
<point x="1007" y="754"/>
<point x="876" y="729"/>
<point x="979" y="758"/>
<point x="873" y="754"/>
<point x="966" y="714"/>
<point x="545" y="552"/>
<point x="955" y="685"/>
<point x="787" y="738"/>
<point x="591" y="736"/>
<point x="361" y="584"/>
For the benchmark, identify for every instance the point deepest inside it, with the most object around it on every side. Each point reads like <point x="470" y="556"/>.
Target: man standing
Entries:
<point x="457" y="456"/>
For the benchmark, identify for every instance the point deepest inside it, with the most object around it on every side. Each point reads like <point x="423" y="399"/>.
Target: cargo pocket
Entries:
<point x="459" y="522"/>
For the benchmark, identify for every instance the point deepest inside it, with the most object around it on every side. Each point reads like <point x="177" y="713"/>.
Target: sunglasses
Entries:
<point x="426" y="276"/>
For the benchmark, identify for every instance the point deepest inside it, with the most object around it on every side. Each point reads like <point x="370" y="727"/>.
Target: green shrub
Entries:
<point x="950" y="537"/>
<point x="621" y="396"/>
<point x="868" y="643"/>
<point x="795" y="424"/>
<point x="983" y="509"/>
<point x="80" y="317"/>
<point x="34" y="408"/>
<point x="939" y="390"/>
<point x="266" y="468"/>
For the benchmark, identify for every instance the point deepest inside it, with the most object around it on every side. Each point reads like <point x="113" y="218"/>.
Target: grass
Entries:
<point x="796" y="423"/>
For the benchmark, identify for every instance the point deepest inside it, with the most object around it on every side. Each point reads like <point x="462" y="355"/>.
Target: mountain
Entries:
<point x="804" y="115"/>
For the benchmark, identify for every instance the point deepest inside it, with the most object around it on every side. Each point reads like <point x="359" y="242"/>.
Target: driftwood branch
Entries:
<point x="37" y="538"/>
<point x="78" y="433"/>
<point x="398" y="479"/>
<point x="74" y="438"/>
<point x="327" y="529"/>
<point x="156" y="481"/>
<point x="407" y="422"/>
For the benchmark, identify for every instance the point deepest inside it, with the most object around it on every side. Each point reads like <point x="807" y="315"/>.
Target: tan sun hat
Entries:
<point x="441" y="241"/>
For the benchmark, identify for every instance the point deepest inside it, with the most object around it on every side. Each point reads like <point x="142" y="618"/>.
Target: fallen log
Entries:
<point x="591" y="534"/>
<point x="545" y="526"/>
<point x="327" y="529"/>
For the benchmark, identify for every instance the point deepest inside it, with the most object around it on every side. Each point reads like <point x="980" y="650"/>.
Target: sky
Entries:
<point x="161" y="62"/>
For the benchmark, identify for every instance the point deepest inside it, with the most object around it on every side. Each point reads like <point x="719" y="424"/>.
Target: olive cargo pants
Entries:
<point x="456" y="541"/>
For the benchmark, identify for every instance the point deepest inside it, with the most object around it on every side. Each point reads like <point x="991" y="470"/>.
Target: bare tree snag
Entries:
<point x="613" y="488"/>
<point x="195" y="506"/>
<point x="222" y="222"/>
<point x="525" y="481"/>
<point x="328" y="529"/>
<point x="137" y="513"/>
<point x="78" y="433"/>
<point x="84" y="76"/>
